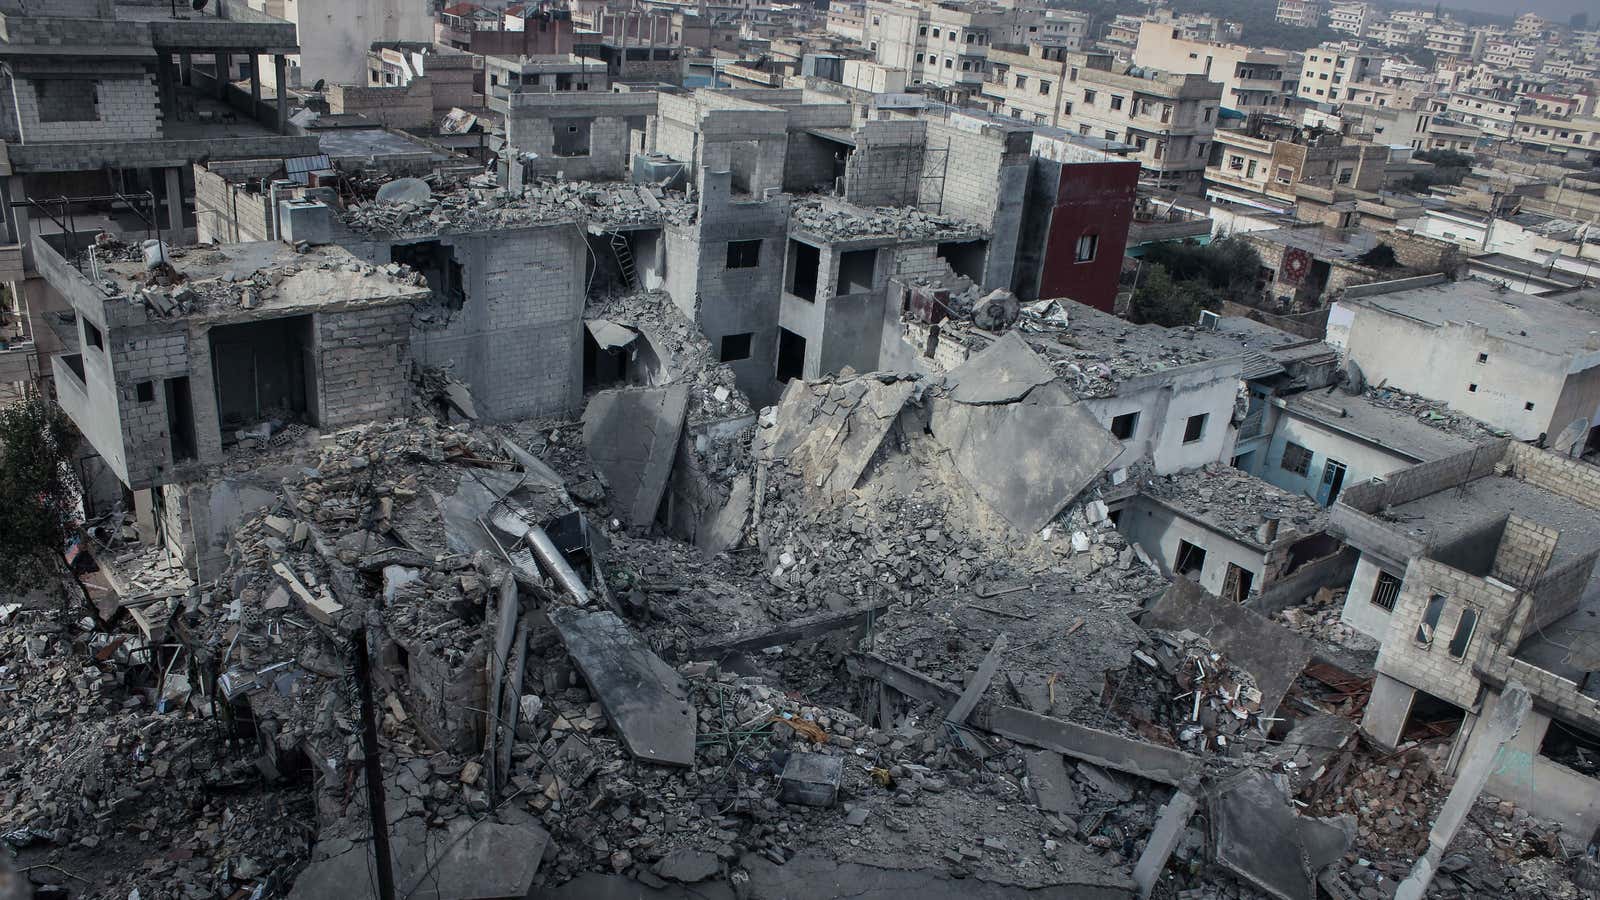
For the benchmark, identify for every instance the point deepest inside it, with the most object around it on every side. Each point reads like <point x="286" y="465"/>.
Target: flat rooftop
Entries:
<point x="1443" y="517"/>
<point x="1235" y="503"/>
<point x="342" y="143"/>
<point x="257" y="279"/>
<point x="1544" y="323"/>
<point x="1574" y="634"/>
<point x="1371" y="419"/>
<point x="1320" y="242"/>
<point x="835" y="220"/>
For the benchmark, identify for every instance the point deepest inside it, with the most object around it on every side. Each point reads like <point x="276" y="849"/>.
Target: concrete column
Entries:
<point x="174" y="194"/>
<point x="1498" y="727"/>
<point x="280" y="71"/>
<point x="1164" y="839"/>
<point x="224" y="61"/>
<point x="255" y="87"/>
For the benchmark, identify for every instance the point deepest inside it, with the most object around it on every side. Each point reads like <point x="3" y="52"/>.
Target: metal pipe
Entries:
<point x="507" y="519"/>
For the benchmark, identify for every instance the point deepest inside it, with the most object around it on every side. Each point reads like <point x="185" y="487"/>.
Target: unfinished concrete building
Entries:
<point x="1478" y="570"/>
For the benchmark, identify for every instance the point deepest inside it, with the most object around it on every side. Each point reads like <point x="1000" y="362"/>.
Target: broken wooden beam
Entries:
<point x="801" y="629"/>
<point x="1102" y="748"/>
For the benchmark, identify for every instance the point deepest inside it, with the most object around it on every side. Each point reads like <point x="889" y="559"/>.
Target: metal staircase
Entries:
<point x="624" y="254"/>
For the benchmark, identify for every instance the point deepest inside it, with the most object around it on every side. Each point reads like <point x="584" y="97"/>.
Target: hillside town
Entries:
<point x="736" y="450"/>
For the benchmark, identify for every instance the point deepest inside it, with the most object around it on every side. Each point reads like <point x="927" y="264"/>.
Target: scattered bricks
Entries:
<point x="323" y="609"/>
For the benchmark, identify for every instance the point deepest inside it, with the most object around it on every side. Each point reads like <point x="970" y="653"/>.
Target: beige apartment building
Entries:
<point x="1331" y="72"/>
<point x="1252" y="79"/>
<point x="1273" y="157"/>
<point x="943" y="44"/>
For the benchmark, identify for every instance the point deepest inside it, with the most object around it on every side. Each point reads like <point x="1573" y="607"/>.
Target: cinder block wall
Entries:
<point x="1571" y="478"/>
<point x="1431" y="668"/>
<point x="396" y="106"/>
<point x="363" y="364"/>
<point x="226" y="208"/>
<point x="886" y="167"/>
<point x="125" y="107"/>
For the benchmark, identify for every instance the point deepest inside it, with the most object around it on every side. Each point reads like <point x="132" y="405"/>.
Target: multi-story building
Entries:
<point x="1578" y="136"/>
<point x="1390" y="33"/>
<point x="1530" y="25"/>
<point x="1524" y="55"/>
<point x="942" y="45"/>
<point x="1351" y="18"/>
<point x="1252" y="79"/>
<point x="1496" y="117"/>
<point x="335" y="34"/>
<point x="1452" y="39"/>
<point x="1331" y="71"/>
<point x="1272" y="157"/>
<point x="1167" y="118"/>
<point x="1300" y="13"/>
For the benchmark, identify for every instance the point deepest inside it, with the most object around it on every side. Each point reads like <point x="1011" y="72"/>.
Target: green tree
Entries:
<point x="1161" y="300"/>
<point x="38" y="492"/>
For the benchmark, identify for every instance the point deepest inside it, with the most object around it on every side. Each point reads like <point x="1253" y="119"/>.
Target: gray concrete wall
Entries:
<point x="1387" y="709"/>
<point x="1158" y="529"/>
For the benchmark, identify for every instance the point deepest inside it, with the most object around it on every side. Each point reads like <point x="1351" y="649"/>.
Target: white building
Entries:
<point x="335" y="35"/>
<point x="1351" y="18"/>
<point x="1331" y="70"/>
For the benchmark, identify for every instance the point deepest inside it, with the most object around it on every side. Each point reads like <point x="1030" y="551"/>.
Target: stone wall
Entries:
<point x="886" y="167"/>
<point x="393" y="106"/>
<point x="79" y="109"/>
<point x="229" y="205"/>
<point x="1430" y="667"/>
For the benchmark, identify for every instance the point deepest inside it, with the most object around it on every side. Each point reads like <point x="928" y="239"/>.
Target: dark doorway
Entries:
<point x="1431" y="717"/>
<point x="260" y="371"/>
<point x="791" y="355"/>
<point x="437" y="263"/>
<point x="1237" y="583"/>
<point x="856" y="271"/>
<point x="180" y="419"/>
<point x="804" y="260"/>
<point x="1332" y="482"/>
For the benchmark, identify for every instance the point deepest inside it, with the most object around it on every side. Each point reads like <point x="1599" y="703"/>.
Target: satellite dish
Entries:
<point x="405" y="190"/>
<point x="1570" y="440"/>
<point x="320" y="86"/>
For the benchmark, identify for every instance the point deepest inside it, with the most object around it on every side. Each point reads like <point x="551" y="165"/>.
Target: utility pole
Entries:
<point x="374" y="770"/>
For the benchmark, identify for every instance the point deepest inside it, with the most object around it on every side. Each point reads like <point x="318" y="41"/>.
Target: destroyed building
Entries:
<point x="1477" y="570"/>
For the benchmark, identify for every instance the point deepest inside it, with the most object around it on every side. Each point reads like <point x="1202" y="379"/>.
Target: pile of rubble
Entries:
<point x="1432" y="413"/>
<point x="833" y="220"/>
<point x="681" y="353"/>
<point x="1232" y="500"/>
<point x="473" y="209"/>
<point x="1322" y="619"/>
<point x="1199" y="699"/>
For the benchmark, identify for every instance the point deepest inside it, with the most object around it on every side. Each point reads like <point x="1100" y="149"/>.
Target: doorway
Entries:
<point x="262" y="372"/>
<point x="1332" y="482"/>
<point x="1237" y="582"/>
<point x="791" y="355"/>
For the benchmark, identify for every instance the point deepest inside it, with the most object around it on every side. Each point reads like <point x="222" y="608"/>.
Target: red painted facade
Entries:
<point x="1093" y="198"/>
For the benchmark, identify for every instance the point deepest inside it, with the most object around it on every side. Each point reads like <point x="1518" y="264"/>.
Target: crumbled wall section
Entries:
<point x="533" y="120"/>
<point x="153" y="357"/>
<point x="364" y="365"/>
<point x="886" y="167"/>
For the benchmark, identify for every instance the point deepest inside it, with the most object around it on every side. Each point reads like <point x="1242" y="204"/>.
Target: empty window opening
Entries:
<point x="1088" y="246"/>
<point x="1296" y="459"/>
<point x="1123" y="426"/>
<point x="1430" y="620"/>
<point x="804" y="260"/>
<point x="1472" y="389"/>
<point x="1385" y="591"/>
<point x="743" y="159"/>
<point x="1195" y="428"/>
<point x="1431" y="717"/>
<point x="1465" y="626"/>
<point x="791" y="355"/>
<point x="1528" y="406"/>
<point x="67" y="99"/>
<point x="735" y="347"/>
<point x="1483" y="358"/>
<point x="570" y="137"/>
<point x="92" y="335"/>
<point x="180" y="418"/>
<point x="965" y="258"/>
<point x="1236" y="584"/>
<point x="1191" y="559"/>
<point x="145" y="391"/>
<point x="436" y="262"/>
<point x="744" y="254"/>
<point x="1571" y="747"/>
<point x="262" y="371"/>
<point x="856" y="270"/>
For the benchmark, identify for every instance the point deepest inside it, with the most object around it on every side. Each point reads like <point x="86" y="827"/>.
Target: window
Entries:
<point x="1296" y="459"/>
<point x="1110" y="135"/>
<point x="1528" y="406"/>
<point x="949" y="63"/>
<point x="1166" y="113"/>
<point x="1195" y="428"/>
<point x="936" y="32"/>
<point x="744" y="254"/>
<point x="1116" y="102"/>
<point x="1088" y="245"/>
<point x="1016" y="112"/>
<point x="919" y="57"/>
<point x="92" y="335"/>
<point x="1430" y="620"/>
<point x="1463" y="636"/>
<point x="1285" y="174"/>
<point x="923" y="31"/>
<point x="67" y="99"/>
<point x="145" y="391"/>
<point x="1385" y="591"/>
<point x="1044" y="87"/>
<point x="1483" y="358"/>
<point x="1088" y="97"/>
<point x="1083" y="130"/>
<point x="1191" y="559"/>
<point x="735" y="347"/>
<point x="1022" y="81"/>
<point x="1123" y="426"/>
<point x="1472" y="389"/>
<point x="1344" y="176"/>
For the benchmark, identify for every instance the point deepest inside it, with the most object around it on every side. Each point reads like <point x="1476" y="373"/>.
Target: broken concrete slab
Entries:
<point x="830" y="431"/>
<point x="608" y="335"/>
<point x="1164" y="839"/>
<point x="1004" y="372"/>
<point x="802" y="629"/>
<point x="1047" y="780"/>
<point x="1313" y="741"/>
<point x="645" y="699"/>
<point x="980" y="682"/>
<point x="1081" y="742"/>
<point x="1052" y="447"/>
<point x="632" y="435"/>
<point x="1259" y="835"/>
<point x="724" y="529"/>
<point x="1271" y="653"/>
<point x="465" y="860"/>
<point x="688" y="866"/>
<point x="811" y="779"/>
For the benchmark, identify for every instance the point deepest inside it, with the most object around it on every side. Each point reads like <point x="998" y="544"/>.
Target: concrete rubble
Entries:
<point x="837" y="221"/>
<point x="464" y="207"/>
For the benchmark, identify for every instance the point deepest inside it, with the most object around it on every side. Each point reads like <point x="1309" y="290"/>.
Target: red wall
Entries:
<point x="1092" y="197"/>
